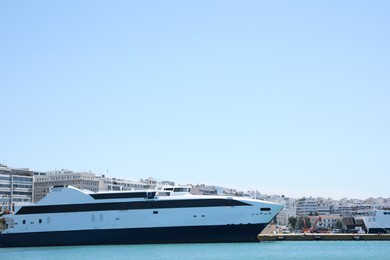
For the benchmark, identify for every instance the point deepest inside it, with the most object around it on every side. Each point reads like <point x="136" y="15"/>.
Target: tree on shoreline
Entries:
<point x="293" y="222"/>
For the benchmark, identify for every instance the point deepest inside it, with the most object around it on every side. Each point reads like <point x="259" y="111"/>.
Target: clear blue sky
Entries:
<point x="287" y="97"/>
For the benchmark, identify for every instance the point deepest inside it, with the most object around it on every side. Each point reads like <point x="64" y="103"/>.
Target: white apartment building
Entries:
<point x="288" y="211"/>
<point x="16" y="186"/>
<point x="306" y="206"/>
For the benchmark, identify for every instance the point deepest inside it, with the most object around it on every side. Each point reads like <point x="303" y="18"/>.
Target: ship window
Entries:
<point x="155" y="212"/>
<point x="24" y="221"/>
<point x="100" y="217"/>
<point x="40" y="221"/>
<point x="181" y="190"/>
<point x="48" y="220"/>
<point x="163" y="193"/>
<point x="265" y="209"/>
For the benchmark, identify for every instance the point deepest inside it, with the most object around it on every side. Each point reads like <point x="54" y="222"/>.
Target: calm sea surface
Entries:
<point x="267" y="250"/>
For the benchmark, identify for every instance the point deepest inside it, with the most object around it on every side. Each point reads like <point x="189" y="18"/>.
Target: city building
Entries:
<point x="215" y="190"/>
<point x="288" y="211"/>
<point x="205" y="190"/>
<point x="85" y="181"/>
<point x="328" y="221"/>
<point x="325" y="206"/>
<point x="80" y="180"/>
<point x="114" y="184"/>
<point x="153" y="183"/>
<point x="342" y="210"/>
<point x="16" y="186"/>
<point x="22" y="185"/>
<point x="306" y="207"/>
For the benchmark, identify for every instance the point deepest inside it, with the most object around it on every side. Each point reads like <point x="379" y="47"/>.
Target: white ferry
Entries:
<point x="378" y="221"/>
<point x="69" y="216"/>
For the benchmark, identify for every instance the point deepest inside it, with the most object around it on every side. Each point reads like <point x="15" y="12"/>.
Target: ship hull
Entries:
<point x="379" y="230"/>
<point x="157" y="235"/>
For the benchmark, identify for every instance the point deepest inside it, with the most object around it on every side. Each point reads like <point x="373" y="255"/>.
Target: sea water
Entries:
<point x="265" y="250"/>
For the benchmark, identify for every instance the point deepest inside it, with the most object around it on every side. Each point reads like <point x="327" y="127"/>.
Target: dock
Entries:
<point x="323" y="236"/>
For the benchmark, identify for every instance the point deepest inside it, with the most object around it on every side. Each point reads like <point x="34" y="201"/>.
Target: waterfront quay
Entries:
<point x="323" y="236"/>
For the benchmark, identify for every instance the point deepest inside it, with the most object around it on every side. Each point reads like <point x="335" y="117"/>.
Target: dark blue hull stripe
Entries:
<point x="151" y="204"/>
<point x="379" y="230"/>
<point x="193" y="234"/>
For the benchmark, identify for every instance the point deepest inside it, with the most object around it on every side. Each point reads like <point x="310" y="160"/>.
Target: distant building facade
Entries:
<point x="325" y="206"/>
<point x="80" y="180"/>
<point x="16" y="186"/>
<point x="342" y="210"/>
<point x="114" y="184"/>
<point x="84" y="181"/>
<point x="289" y="209"/>
<point x="22" y="186"/>
<point x="204" y="190"/>
<point x="328" y="221"/>
<point x="215" y="190"/>
<point x="306" y="207"/>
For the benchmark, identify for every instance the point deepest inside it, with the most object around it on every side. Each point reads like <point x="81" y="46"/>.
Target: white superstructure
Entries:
<point x="378" y="221"/>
